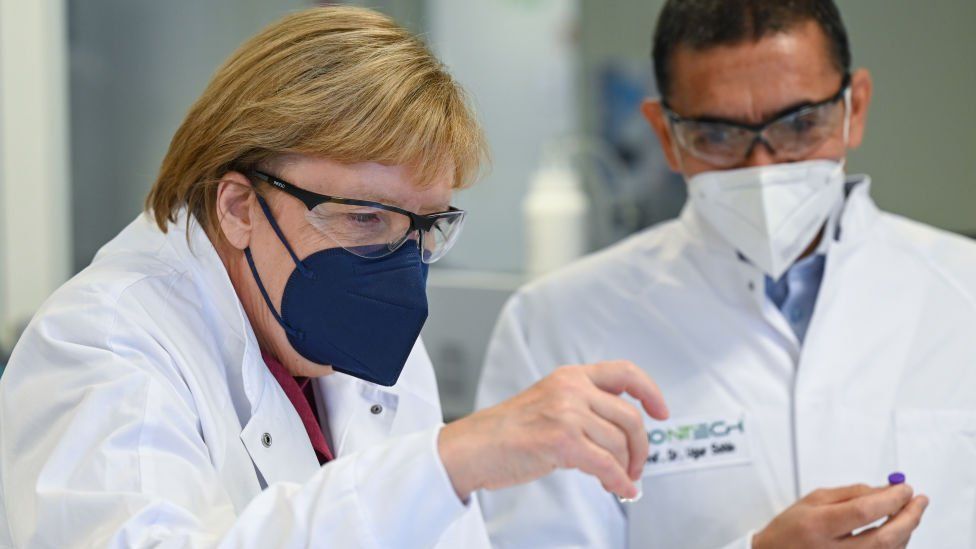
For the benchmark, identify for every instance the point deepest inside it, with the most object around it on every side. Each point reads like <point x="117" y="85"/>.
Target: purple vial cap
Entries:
<point x="896" y="478"/>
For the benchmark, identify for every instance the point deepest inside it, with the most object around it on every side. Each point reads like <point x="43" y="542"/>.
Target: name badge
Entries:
<point x="688" y="443"/>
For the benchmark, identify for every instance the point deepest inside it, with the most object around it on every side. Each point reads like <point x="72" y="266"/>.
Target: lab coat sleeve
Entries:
<point x="101" y="446"/>
<point x="564" y="509"/>
<point x="394" y="495"/>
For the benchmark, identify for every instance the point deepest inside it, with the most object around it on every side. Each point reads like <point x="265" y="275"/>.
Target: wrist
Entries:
<point x="458" y="452"/>
<point x="758" y="539"/>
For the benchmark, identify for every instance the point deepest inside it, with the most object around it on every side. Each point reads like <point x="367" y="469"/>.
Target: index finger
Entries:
<point x="847" y="516"/>
<point x="621" y="376"/>
<point x="824" y="496"/>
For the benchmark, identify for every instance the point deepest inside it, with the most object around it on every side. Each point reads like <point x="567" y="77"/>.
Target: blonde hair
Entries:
<point x="338" y="82"/>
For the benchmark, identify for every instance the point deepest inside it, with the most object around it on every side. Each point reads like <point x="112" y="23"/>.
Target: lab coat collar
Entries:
<point x="349" y="404"/>
<point x="362" y="413"/>
<point x="273" y="433"/>
<point x="200" y="254"/>
<point x="743" y="283"/>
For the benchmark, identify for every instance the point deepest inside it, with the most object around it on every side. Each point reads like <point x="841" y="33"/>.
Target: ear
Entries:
<point x="861" y="90"/>
<point x="653" y="111"/>
<point x="235" y="198"/>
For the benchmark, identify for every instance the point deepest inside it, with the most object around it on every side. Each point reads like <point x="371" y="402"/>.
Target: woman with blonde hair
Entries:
<point x="241" y="366"/>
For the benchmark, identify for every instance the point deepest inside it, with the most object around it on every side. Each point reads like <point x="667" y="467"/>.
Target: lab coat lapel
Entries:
<point x="855" y="359"/>
<point x="275" y="436"/>
<point x="362" y="414"/>
<point x="736" y="281"/>
<point x="194" y="247"/>
<point x="851" y="296"/>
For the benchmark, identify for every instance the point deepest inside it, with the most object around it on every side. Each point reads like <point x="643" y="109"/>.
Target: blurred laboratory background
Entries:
<point x="92" y="90"/>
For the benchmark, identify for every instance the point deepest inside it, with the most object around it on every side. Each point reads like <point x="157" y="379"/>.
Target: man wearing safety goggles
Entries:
<point x="809" y="343"/>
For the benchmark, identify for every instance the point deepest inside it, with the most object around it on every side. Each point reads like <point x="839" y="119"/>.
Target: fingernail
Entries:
<point x="637" y="492"/>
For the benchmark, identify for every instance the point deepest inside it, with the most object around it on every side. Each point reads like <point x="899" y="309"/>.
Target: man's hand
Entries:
<point x="573" y="418"/>
<point x="827" y="517"/>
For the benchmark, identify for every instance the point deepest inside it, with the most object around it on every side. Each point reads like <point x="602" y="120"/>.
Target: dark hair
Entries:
<point x="702" y="24"/>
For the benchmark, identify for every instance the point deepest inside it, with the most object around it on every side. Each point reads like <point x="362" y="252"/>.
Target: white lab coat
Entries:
<point x="136" y="411"/>
<point x="886" y="381"/>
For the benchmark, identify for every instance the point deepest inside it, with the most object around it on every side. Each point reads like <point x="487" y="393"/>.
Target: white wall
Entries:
<point x="34" y="179"/>
<point x="91" y="92"/>
<point x="517" y="59"/>
<point x="920" y="146"/>
<point x="136" y="67"/>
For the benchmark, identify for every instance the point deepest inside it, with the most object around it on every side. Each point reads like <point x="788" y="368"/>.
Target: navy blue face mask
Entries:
<point x="361" y="316"/>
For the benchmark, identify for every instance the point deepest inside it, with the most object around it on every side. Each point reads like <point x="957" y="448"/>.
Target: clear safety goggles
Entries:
<point x="793" y="133"/>
<point x="371" y="229"/>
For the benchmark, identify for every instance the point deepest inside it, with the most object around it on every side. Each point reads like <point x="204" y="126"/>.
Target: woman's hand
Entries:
<point x="573" y="418"/>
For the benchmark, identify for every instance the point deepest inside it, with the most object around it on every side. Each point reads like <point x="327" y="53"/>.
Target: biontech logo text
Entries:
<point x="695" y="431"/>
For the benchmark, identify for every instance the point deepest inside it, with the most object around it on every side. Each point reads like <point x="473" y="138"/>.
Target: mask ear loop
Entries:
<point x="847" y="140"/>
<point x="847" y="125"/>
<point x="267" y="299"/>
<point x="847" y="116"/>
<point x="274" y="225"/>
<point x="257" y="278"/>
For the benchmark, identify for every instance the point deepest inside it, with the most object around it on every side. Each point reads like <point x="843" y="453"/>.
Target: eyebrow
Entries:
<point x="441" y="207"/>
<point x="371" y="197"/>
<point x="386" y="200"/>
<point x="793" y="108"/>
<point x="362" y="195"/>
<point x="790" y="109"/>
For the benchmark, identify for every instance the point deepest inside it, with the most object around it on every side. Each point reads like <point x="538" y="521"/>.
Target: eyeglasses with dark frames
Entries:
<point x="372" y="229"/>
<point x="793" y="132"/>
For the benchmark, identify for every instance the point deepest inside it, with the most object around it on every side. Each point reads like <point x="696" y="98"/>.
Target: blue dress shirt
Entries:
<point x="795" y="293"/>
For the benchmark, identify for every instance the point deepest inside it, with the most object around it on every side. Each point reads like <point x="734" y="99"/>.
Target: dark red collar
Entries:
<point x="300" y="392"/>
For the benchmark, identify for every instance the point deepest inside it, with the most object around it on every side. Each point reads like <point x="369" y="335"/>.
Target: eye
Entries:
<point x="363" y="218"/>
<point x="803" y="123"/>
<point x="712" y="135"/>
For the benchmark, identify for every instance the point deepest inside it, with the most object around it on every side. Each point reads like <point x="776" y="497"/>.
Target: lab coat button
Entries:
<point x="266" y="440"/>
<point x="376" y="409"/>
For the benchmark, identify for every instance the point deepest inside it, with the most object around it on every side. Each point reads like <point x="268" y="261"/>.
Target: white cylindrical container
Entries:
<point x="555" y="212"/>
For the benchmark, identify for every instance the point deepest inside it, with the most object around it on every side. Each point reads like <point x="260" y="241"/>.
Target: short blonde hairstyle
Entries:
<point x="338" y="82"/>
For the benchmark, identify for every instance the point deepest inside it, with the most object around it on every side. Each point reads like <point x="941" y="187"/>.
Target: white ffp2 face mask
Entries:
<point x="770" y="214"/>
